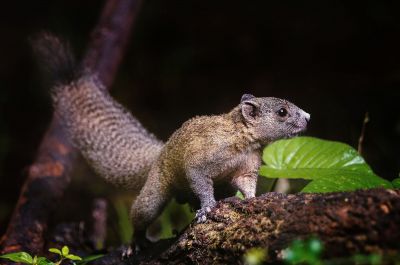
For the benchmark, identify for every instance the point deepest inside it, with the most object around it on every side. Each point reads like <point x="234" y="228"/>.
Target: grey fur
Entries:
<point x="117" y="146"/>
<point x="195" y="163"/>
<point x="207" y="149"/>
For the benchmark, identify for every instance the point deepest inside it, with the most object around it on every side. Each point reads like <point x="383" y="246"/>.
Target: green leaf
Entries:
<point x="168" y="221"/>
<point x="373" y="259"/>
<point x="22" y="257"/>
<point x="396" y="183"/>
<point x="125" y="228"/>
<point x="239" y="195"/>
<point x="304" y="252"/>
<point x="315" y="245"/>
<point x="65" y="251"/>
<point x="90" y="258"/>
<point x="350" y="182"/>
<point x="73" y="257"/>
<point x="44" y="261"/>
<point x="331" y="166"/>
<point x="56" y="251"/>
<point x="255" y="256"/>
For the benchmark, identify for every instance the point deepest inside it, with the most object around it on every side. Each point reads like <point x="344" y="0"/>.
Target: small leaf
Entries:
<point x="396" y="183"/>
<point x="255" y="256"/>
<point x="73" y="257"/>
<point x="44" y="261"/>
<point x="56" y="251"/>
<point x="22" y="257"/>
<point x="239" y="195"/>
<point x="373" y="259"/>
<point x="304" y="252"/>
<point x="315" y="246"/>
<point x="65" y="251"/>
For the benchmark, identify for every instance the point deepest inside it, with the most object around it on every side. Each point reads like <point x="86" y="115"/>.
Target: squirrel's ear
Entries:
<point x="246" y="97"/>
<point x="250" y="110"/>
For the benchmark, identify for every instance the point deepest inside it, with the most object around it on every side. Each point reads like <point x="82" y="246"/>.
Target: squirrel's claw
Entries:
<point x="201" y="215"/>
<point x="141" y="242"/>
<point x="126" y="252"/>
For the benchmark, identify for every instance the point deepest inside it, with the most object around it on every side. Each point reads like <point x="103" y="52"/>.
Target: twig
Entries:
<point x="98" y="229"/>
<point x="361" y="138"/>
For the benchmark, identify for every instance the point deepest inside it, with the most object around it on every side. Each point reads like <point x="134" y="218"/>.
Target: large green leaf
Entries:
<point x="21" y="257"/>
<point x="331" y="166"/>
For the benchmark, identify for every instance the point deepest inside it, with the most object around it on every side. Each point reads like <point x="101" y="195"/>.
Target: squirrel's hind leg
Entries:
<point x="148" y="205"/>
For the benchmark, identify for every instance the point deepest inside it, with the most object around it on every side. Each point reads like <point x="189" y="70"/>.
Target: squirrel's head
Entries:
<point x="270" y="119"/>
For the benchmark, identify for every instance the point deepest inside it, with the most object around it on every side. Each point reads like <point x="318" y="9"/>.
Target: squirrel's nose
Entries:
<point x="307" y="116"/>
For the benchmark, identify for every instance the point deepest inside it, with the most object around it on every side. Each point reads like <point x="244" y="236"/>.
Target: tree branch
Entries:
<point x="348" y="223"/>
<point x="109" y="38"/>
<point x="48" y="176"/>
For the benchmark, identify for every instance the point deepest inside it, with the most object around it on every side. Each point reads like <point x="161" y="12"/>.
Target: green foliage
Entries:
<point x="239" y="195"/>
<point x="90" y="258"/>
<point x="125" y="229"/>
<point x="22" y="257"/>
<point x="42" y="261"/>
<point x="169" y="221"/>
<point x="396" y="183"/>
<point x="255" y="256"/>
<point x="63" y="254"/>
<point x="330" y="166"/>
<point x="304" y="252"/>
<point x="56" y="251"/>
<point x="310" y="251"/>
<point x="174" y="217"/>
<point x="372" y="259"/>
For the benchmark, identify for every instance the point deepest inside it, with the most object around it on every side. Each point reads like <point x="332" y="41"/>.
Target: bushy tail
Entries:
<point x="114" y="143"/>
<point x="55" y="58"/>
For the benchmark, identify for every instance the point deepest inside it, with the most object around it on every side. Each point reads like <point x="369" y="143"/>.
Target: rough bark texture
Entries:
<point x="48" y="176"/>
<point x="47" y="179"/>
<point x="110" y="37"/>
<point x="348" y="223"/>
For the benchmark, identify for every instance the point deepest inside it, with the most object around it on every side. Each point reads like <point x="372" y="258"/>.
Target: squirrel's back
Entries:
<point x="117" y="146"/>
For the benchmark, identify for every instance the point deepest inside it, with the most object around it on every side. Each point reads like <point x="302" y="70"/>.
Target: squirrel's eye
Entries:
<point x="282" y="112"/>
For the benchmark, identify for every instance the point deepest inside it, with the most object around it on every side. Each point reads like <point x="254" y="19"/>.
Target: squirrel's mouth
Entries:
<point x="296" y="130"/>
<point x="291" y="135"/>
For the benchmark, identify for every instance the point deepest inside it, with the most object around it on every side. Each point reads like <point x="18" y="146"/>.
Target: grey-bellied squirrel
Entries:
<point x="196" y="162"/>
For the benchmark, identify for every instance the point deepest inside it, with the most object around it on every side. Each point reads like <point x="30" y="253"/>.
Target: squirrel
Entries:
<point x="194" y="165"/>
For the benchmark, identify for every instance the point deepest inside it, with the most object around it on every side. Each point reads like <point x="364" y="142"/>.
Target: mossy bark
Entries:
<point x="365" y="221"/>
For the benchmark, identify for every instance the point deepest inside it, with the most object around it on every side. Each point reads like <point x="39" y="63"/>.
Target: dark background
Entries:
<point x="335" y="59"/>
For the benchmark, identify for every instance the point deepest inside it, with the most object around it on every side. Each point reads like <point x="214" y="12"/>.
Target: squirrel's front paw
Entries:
<point x="201" y="215"/>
